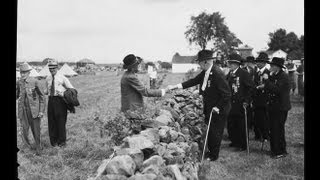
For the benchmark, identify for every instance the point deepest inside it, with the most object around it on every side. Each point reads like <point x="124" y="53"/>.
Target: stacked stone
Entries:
<point x="167" y="150"/>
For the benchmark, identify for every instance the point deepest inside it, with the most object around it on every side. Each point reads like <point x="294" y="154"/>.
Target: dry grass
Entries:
<point x="100" y="98"/>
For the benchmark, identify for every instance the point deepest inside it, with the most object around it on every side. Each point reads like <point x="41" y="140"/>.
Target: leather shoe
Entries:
<point x="212" y="158"/>
<point x="279" y="156"/>
<point x="232" y="145"/>
<point x="241" y="149"/>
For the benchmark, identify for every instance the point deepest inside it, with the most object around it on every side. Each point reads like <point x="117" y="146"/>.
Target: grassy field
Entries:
<point x="86" y="147"/>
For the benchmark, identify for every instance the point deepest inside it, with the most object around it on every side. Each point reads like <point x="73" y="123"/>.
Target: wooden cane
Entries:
<point x="205" y="141"/>
<point x="246" y="126"/>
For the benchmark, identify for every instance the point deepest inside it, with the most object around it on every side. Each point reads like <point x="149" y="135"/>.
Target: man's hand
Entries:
<point x="265" y="76"/>
<point x="260" y="86"/>
<point x="172" y="87"/>
<point x="40" y="115"/>
<point x="215" y="110"/>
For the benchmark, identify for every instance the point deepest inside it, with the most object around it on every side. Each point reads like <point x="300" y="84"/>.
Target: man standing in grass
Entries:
<point x="216" y="99"/>
<point x="56" y="84"/>
<point x="132" y="90"/>
<point x="278" y="89"/>
<point x="30" y="106"/>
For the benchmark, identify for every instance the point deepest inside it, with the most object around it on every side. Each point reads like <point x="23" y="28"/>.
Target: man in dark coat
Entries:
<point x="247" y="66"/>
<point x="132" y="90"/>
<point x="241" y="86"/>
<point x="278" y="88"/>
<point x="261" y="120"/>
<point x="216" y="98"/>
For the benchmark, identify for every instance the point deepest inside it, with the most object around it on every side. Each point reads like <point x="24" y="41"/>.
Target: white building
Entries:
<point x="182" y="64"/>
<point x="278" y="53"/>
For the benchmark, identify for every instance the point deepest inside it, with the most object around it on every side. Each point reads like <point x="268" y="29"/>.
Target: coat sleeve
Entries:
<point x="224" y="90"/>
<point x="41" y="96"/>
<point x="17" y="90"/>
<point x="46" y="88"/>
<point x="137" y="85"/>
<point x="194" y="81"/>
<point x="249" y="87"/>
<point x="281" y="85"/>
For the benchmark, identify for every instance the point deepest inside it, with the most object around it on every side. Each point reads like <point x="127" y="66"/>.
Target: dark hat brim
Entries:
<point x="281" y="66"/>
<point x="261" y="60"/>
<point x="138" y="61"/>
<point x="234" y="61"/>
<point x="26" y="70"/>
<point x="203" y="59"/>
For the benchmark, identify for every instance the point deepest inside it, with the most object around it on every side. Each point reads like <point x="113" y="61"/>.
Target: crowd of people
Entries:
<point x="249" y="96"/>
<point x="246" y="96"/>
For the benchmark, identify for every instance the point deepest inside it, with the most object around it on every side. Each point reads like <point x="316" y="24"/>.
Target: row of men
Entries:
<point x="225" y="99"/>
<point x="31" y="105"/>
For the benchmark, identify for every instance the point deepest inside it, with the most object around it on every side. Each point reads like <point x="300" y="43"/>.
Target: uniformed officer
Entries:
<point x="241" y="87"/>
<point x="261" y="121"/>
<point x="278" y="89"/>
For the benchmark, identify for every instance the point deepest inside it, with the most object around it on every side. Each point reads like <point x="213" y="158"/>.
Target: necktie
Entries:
<point x="204" y="84"/>
<point x="52" y="87"/>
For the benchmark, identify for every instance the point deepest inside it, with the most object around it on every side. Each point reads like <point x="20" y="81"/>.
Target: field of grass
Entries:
<point x="99" y="97"/>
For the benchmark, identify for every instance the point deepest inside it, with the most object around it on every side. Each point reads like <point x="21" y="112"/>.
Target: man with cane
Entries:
<point x="216" y="98"/>
<point x="241" y="87"/>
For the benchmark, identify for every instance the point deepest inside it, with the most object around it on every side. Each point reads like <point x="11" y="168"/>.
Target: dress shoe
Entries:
<point x="279" y="156"/>
<point x="232" y="145"/>
<point x="211" y="158"/>
<point x="241" y="149"/>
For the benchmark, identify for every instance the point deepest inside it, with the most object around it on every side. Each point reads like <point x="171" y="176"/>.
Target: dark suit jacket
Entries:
<point x="250" y="70"/>
<point x="70" y="96"/>
<point x="260" y="95"/>
<point x="132" y="92"/>
<point x="217" y="92"/>
<point x="278" y="88"/>
<point x="241" y="86"/>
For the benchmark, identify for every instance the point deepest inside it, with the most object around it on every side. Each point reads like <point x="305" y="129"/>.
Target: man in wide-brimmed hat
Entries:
<point x="261" y="121"/>
<point x="57" y="84"/>
<point x="241" y="86"/>
<point x="132" y="89"/>
<point x="278" y="89"/>
<point x="216" y="99"/>
<point x="30" y="106"/>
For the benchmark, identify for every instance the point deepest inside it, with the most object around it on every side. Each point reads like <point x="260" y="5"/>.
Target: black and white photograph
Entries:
<point x="160" y="89"/>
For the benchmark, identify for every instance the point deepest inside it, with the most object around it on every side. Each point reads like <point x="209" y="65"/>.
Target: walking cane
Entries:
<point x="205" y="141"/>
<point x="246" y="126"/>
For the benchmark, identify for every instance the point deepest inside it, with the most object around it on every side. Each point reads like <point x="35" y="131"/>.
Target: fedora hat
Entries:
<point x="234" y="58"/>
<point x="277" y="61"/>
<point x="52" y="63"/>
<point x="204" y="55"/>
<point x="131" y="60"/>
<point x="25" y="67"/>
<point x="262" y="57"/>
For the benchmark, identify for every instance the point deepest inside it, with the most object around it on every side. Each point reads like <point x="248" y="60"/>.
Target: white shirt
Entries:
<point x="262" y="69"/>
<point x="206" y="77"/>
<point x="235" y="70"/>
<point x="60" y="84"/>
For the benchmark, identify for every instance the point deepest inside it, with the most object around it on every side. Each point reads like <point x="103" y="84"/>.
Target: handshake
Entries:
<point x="171" y="87"/>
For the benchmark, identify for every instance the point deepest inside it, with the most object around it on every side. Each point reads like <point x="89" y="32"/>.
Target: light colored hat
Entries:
<point x="52" y="63"/>
<point x="25" y="67"/>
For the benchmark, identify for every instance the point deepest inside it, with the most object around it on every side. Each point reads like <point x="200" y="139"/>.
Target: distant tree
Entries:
<point x="290" y="43"/>
<point x="211" y="29"/>
<point x="166" y="65"/>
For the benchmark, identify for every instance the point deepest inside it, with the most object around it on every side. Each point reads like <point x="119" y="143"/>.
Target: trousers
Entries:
<point x="57" y="118"/>
<point x="27" y="122"/>
<point x="277" y="131"/>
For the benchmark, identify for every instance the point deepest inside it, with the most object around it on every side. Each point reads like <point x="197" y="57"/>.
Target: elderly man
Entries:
<point x="216" y="98"/>
<point x="56" y="84"/>
<point x="241" y="86"/>
<point x="132" y="90"/>
<point x="278" y="89"/>
<point x="30" y="105"/>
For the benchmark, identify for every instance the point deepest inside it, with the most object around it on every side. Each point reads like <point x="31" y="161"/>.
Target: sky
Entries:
<point x="108" y="30"/>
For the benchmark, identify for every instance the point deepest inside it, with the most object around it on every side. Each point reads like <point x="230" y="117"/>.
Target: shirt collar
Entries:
<point x="208" y="70"/>
<point x="262" y="69"/>
<point x="235" y="70"/>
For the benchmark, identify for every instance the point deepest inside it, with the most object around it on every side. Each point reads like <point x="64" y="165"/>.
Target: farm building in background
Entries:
<point x="278" y="53"/>
<point x="182" y="64"/>
<point x="244" y="51"/>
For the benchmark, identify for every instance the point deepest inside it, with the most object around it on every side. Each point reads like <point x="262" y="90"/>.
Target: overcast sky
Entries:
<point x="107" y="30"/>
